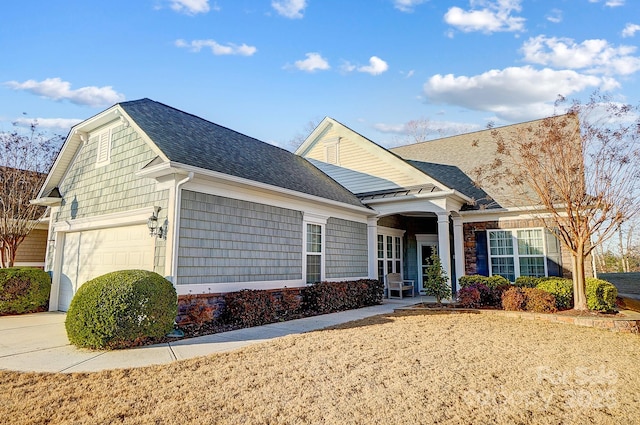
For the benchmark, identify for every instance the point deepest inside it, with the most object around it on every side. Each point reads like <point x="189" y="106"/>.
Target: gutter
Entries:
<point x="176" y="230"/>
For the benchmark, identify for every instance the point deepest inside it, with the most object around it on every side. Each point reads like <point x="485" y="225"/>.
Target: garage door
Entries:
<point x="93" y="253"/>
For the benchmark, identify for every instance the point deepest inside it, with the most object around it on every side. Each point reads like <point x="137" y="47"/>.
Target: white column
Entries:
<point x="372" y="239"/>
<point x="458" y="246"/>
<point x="444" y="249"/>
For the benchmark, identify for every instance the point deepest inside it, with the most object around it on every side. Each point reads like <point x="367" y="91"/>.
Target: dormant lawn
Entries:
<point x="445" y="369"/>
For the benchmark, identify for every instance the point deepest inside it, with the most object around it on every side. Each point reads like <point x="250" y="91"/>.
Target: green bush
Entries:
<point x="527" y="281"/>
<point x="23" y="290"/>
<point x="490" y="281"/>
<point x="601" y="295"/>
<point x="528" y="299"/>
<point x="121" y="309"/>
<point x="561" y="289"/>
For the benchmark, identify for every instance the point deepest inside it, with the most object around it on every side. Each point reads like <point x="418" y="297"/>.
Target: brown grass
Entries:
<point x="413" y="369"/>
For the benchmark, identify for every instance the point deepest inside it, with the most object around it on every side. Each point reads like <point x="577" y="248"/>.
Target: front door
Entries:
<point x="426" y="250"/>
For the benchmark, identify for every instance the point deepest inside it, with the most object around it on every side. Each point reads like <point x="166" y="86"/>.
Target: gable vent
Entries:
<point x="104" y="148"/>
<point x="331" y="151"/>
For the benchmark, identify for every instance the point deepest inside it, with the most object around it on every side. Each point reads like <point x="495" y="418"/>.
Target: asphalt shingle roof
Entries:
<point x="190" y="140"/>
<point x="454" y="178"/>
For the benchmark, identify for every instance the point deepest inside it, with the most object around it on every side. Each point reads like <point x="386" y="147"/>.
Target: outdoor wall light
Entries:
<point x="155" y="228"/>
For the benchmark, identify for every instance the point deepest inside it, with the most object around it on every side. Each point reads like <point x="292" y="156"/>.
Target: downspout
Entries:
<point x="176" y="230"/>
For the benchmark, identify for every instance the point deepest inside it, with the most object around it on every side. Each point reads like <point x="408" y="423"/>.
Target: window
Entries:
<point x="389" y="253"/>
<point x="103" y="156"/>
<point x="314" y="253"/>
<point x="516" y="253"/>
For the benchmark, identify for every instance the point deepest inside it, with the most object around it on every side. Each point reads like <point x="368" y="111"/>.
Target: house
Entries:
<point x="31" y="250"/>
<point x="233" y="212"/>
<point x="144" y="185"/>
<point x="426" y="201"/>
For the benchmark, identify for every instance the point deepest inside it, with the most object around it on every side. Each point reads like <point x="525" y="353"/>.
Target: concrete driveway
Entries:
<point x="38" y="342"/>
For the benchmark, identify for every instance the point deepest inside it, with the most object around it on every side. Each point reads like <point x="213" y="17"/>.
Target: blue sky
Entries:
<point x="268" y="68"/>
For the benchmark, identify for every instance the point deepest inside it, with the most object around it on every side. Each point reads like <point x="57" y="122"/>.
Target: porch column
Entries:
<point x="444" y="250"/>
<point x="458" y="246"/>
<point x="372" y="239"/>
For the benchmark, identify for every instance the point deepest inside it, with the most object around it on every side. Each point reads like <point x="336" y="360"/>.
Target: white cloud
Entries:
<point x="555" y="16"/>
<point x="610" y="3"/>
<point x="630" y="30"/>
<point x="407" y="5"/>
<point x="292" y="9"/>
<point x="190" y="7"/>
<point x="516" y="93"/>
<point x="49" y="123"/>
<point x="313" y="62"/>
<point x="428" y="127"/>
<point x="216" y="48"/>
<point x="593" y="56"/>
<point x="56" y="89"/>
<point x="376" y="66"/>
<point x="487" y="16"/>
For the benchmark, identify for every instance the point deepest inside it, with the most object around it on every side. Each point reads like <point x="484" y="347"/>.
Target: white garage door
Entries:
<point x="92" y="253"/>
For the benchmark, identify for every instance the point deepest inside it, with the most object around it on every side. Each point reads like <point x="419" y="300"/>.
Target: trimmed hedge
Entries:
<point x="121" y="309"/>
<point x="561" y="289"/>
<point x="23" y="290"/>
<point x="469" y="297"/>
<point x="329" y="297"/>
<point x="601" y="295"/>
<point x="490" y="281"/>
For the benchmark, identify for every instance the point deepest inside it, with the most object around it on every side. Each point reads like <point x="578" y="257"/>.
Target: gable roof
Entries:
<point x="469" y="151"/>
<point x="366" y="168"/>
<point x="186" y="139"/>
<point x="454" y="178"/>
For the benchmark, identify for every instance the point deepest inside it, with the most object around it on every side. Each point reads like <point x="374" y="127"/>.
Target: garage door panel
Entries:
<point x="102" y="251"/>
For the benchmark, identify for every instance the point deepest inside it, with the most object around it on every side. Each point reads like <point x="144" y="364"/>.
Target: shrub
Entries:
<point x="514" y="299"/>
<point x="601" y="295"/>
<point x="539" y="301"/>
<point x="436" y="280"/>
<point x="469" y="297"/>
<point x="527" y="281"/>
<point x="490" y="281"/>
<point x="561" y="289"/>
<point x="528" y="299"/>
<point x="121" y="309"/>
<point x="248" y="308"/>
<point x="23" y="290"/>
<point x="328" y="297"/>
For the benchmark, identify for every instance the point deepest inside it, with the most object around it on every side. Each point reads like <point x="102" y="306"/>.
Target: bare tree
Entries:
<point x="582" y="168"/>
<point x="25" y="157"/>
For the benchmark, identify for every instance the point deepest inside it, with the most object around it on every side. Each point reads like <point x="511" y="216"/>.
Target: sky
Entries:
<point x="272" y="69"/>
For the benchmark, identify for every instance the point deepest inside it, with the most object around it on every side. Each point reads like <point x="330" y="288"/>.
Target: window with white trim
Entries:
<point x="314" y="253"/>
<point x="103" y="155"/>
<point x="517" y="252"/>
<point x="389" y="254"/>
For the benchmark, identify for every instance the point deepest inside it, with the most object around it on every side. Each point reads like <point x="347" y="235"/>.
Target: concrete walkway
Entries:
<point x="38" y="342"/>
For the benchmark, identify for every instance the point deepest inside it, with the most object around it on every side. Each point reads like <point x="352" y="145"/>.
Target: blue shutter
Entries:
<point x="482" y="255"/>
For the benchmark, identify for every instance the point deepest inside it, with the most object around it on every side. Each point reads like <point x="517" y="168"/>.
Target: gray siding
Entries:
<point x="224" y="240"/>
<point x="89" y="191"/>
<point x="346" y="249"/>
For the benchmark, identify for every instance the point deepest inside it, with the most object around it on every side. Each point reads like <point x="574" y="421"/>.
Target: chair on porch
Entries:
<point x="396" y="283"/>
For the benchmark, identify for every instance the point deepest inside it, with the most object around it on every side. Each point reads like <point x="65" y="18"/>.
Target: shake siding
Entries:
<point x="89" y="191"/>
<point x="224" y="240"/>
<point x="346" y="249"/>
<point x="355" y="157"/>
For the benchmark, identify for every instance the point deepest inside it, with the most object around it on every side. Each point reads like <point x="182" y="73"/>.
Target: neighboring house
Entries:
<point x="236" y="213"/>
<point x="31" y="251"/>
